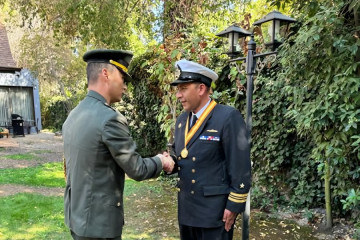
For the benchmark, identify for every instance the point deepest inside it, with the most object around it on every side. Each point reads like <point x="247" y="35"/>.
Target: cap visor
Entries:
<point x="126" y="76"/>
<point x="179" y="81"/>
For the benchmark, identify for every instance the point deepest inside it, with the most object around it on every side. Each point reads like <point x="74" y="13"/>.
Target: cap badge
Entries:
<point x="177" y="73"/>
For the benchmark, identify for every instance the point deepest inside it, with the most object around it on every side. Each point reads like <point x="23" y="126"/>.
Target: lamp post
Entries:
<point x="276" y="25"/>
<point x="233" y="33"/>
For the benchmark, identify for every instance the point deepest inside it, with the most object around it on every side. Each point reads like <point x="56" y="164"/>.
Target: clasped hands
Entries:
<point x="167" y="162"/>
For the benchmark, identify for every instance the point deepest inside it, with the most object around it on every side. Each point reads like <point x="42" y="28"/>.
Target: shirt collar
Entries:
<point x="198" y="114"/>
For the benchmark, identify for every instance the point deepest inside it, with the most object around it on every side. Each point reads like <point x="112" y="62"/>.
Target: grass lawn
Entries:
<point x="21" y="156"/>
<point x="30" y="216"/>
<point x="150" y="211"/>
<point x="46" y="175"/>
<point x="148" y="214"/>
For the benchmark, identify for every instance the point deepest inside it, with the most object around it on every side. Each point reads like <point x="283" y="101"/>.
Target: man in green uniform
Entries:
<point x="99" y="151"/>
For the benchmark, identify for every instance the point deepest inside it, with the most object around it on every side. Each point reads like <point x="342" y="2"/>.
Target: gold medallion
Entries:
<point x="184" y="153"/>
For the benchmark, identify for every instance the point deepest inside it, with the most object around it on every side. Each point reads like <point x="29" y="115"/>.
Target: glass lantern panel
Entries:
<point x="267" y="29"/>
<point x="234" y="42"/>
<point x="274" y="35"/>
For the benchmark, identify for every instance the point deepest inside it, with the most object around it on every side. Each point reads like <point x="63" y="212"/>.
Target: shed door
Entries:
<point x="16" y="100"/>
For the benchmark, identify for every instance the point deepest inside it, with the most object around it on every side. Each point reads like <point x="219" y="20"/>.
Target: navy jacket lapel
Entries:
<point x="180" y="136"/>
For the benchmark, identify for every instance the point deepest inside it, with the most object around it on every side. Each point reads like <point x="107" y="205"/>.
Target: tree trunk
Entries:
<point x="357" y="24"/>
<point x="328" y="196"/>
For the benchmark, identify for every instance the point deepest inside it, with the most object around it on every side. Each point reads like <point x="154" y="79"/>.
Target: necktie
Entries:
<point x="193" y="121"/>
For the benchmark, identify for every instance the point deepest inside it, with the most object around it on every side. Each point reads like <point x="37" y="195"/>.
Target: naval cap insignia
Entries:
<point x="177" y="73"/>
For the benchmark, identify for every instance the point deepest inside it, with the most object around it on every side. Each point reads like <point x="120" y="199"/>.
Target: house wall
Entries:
<point x="24" y="78"/>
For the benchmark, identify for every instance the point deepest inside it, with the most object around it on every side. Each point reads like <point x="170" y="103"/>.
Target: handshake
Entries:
<point x="167" y="162"/>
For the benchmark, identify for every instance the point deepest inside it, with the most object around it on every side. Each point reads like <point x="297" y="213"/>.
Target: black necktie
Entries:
<point x="193" y="121"/>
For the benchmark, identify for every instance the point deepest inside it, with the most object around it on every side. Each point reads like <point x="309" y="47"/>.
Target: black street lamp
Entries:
<point x="276" y="25"/>
<point x="234" y="33"/>
<point x="274" y="28"/>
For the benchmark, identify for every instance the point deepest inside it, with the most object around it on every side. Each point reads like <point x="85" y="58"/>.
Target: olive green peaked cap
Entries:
<point x="119" y="58"/>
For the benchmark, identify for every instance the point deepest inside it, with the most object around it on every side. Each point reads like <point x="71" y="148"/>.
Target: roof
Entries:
<point x="6" y="60"/>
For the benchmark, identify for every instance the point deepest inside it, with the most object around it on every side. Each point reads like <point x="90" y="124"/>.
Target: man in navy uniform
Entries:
<point x="99" y="150"/>
<point x="212" y="158"/>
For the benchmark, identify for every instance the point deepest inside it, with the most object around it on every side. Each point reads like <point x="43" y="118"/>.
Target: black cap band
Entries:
<point x="193" y="77"/>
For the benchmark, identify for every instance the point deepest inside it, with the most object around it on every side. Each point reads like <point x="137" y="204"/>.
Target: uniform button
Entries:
<point x="118" y="204"/>
<point x="178" y="179"/>
<point x="193" y="170"/>
<point x="192" y="192"/>
<point x="178" y="189"/>
<point x="179" y="158"/>
<point x="194" y="158"/>
<point x="193" y="181"/>
<point x="179" y="168"/>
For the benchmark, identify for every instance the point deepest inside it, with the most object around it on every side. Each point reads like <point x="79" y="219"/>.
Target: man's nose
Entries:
<point x="178" y="94"/>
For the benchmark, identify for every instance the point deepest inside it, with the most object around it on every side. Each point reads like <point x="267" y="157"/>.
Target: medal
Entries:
<point x="184" y="153"/>
<point x="189" y="134"/>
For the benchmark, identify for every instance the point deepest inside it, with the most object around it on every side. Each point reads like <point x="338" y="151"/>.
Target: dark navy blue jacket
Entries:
<point x="216" y="174"/>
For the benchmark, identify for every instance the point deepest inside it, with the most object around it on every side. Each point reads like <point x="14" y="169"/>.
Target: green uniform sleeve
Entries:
<point x="117" y="138"/>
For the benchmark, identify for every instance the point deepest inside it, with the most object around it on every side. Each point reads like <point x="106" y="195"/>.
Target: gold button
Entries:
<point x="178" y="189"/>
<point x="179" y="158"/>
<point x="179" y="168"/>
<point x="118" y="204"/>
<point x="193" y="181"/>
<point x="194" y="159"/>
<point x="192" y="192"/>
<point x="178" y="179"/>
<point x="193" y="170"/>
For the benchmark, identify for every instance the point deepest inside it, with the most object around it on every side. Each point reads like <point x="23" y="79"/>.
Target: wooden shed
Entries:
<point x="19" y="92"/>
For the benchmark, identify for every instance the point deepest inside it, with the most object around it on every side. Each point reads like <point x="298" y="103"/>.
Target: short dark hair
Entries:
<point x="206" y="86"/>
<point x="93" y="70"/>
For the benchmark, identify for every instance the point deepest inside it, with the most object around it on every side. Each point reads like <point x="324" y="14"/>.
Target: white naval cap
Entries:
<point x="189" y="71"/>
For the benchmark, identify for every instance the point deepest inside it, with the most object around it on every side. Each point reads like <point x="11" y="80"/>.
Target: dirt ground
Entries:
<point x="49" y="148"/>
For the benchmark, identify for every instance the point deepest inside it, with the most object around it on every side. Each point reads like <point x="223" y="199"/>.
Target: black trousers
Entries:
<point x="196" y="233"/>
<point x="76" y="237"/>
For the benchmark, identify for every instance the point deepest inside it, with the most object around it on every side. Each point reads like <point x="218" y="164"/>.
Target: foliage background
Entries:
<point x="306" y="107"/>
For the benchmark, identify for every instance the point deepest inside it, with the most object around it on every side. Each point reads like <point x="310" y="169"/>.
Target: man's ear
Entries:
<point x="105" y="73"/>
<point x="203" y="89"/>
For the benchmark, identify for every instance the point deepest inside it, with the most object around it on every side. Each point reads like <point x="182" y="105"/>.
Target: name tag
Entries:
<point x="210" y="138"/>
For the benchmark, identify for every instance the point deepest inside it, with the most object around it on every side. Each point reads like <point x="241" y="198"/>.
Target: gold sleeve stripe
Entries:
<point x="238" y="194"/>
<point x="237" y="200"/>
<point x="237" y="197"/>
<point x="119" y="65"/>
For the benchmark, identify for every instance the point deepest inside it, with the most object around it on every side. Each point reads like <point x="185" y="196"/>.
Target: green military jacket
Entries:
<point x="98" y="151"/>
